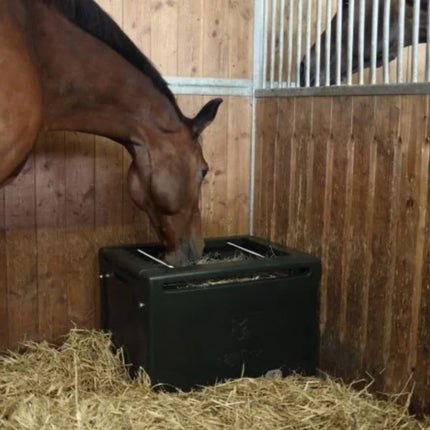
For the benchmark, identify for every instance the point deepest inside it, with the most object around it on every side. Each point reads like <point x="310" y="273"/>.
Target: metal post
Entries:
<point x="290" y="42"/>
<point x="328" y="43"/>
<point x="400" y="41"/>
<point x="386" y="41"/>
<point x="339" y="41"/>
<point x="361" y="28"/>
<point x="273" y="44"/>
<point x="281" y="43"/>
<point x="374" y="41"/>
<point x="415" y="30"/>
<point x="350" y="46"/>
<point x="318" y="46"/>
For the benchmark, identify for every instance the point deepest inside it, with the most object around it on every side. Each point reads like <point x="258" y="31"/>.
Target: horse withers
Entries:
<point x="66" y="65"/>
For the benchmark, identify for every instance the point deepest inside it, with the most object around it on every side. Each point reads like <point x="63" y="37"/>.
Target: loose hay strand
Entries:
<point x="82" y="384"/>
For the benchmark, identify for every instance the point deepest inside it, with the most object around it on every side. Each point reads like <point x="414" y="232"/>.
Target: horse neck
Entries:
<point x="88" y="87"/>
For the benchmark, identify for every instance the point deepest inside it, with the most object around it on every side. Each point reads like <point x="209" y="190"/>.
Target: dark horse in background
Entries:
<point x="393" y="41"/>
<point x="66" y="65"/>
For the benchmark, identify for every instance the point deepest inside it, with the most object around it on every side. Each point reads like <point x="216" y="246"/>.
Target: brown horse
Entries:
<point x="393" y="41"/>
<point x="65" y="65"/>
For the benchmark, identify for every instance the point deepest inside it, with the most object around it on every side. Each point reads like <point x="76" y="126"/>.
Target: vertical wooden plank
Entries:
<point x="4" y="332"/>
<point x="421" y="354"/>
<point x="413" y="129"/>
<point x="302" y="139"/>
<point x="380" y="287"/>
<point x="269" y="167"/>
<point x="240" y="38"/>
<point x="266" y="153"/>
<point x="331" y="347"/>
<point x="238" y="165"/>
<point x="358" y="272"/>
<point x="21" y="270"/>
<point x="215" y="44"/>
<point x="51" y="236"/>
<point x="321" y="128"/>
<point x="164" y="35"/>
<point x="80" y="238"/>
<point x="286" y="123"/>
<point x="136" y="22"/>
<point x="258" y="174"/>
<point x="190" y="28"/>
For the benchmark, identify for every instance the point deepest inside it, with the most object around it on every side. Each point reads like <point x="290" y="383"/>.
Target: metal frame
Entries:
<point x="352" y="90"/>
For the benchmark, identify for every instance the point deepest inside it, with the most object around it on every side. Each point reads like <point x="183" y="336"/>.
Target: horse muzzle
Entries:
<point x="187" y="253"/>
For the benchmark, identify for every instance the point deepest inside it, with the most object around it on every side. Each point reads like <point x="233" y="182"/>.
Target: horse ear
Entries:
<point x="205" y="116"/>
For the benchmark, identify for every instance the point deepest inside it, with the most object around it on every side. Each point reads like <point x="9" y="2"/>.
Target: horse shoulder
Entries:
<point x="20" y="91"/>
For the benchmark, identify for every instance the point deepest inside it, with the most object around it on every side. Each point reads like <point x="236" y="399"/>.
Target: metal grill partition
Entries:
<point x="326" y="43"/>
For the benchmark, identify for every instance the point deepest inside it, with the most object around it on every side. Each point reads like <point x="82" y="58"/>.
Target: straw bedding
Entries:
<point x="83" y="385"/>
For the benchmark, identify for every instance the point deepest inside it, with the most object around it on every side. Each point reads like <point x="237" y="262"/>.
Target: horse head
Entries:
<point x="164" y="180"/>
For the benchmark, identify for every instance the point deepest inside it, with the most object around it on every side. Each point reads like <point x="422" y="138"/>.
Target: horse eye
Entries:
<point x="204" y="172"/>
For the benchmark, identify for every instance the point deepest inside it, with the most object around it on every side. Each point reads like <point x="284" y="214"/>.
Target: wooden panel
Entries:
<point x="238" y="165"/>
<point x="21" y="261"/>
<point x="266" y="138"/>
<point x="404" y="326"/>
<point x="387" y="116"/>
<point x="80" y="220"/>
<point x="189" y="38"/>
<point x="164" y="35"/>
<point x="338" y="167"/>
<point x="359" y="235"/>
<point x="421" y="310"/>
<point x="302" y="154"/>
<point x="51" y="236"/>
<point x="4" y="329"/>
<point x="240" y="38"/>
<point x="215" y="39"/>
<point x="366" y="213"/>
<point x="283" y="171"/>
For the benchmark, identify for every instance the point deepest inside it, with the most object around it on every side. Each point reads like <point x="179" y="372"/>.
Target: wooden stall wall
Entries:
<point x="347" y="178"/>
<point x="71" y="198"/>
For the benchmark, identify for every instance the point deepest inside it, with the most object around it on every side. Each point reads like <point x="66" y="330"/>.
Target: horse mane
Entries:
<point x="91" y="18"/>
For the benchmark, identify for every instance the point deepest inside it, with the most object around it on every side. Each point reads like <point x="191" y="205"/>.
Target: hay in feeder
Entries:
<point x="83" y="385"/>
<point x="216" y="258"/>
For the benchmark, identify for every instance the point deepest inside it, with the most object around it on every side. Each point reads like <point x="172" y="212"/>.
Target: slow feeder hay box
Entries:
<point x="204" y="323"/>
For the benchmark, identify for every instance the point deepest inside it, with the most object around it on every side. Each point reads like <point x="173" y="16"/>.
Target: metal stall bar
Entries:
<point x="328" y="43"/>
<point x="257" y="81"/>
<point x="350" y="46"/>
<point x="400" y="41"/>
<point x="273" y="44"/>
<point x="386" y="41"/>
<point x="308" y="43"/>
<point x="265" y="41"/>
<point x="299" y="40"/>
<point x="361" y="27"/>
<point x="339" y="41"/>
<point x="415" y="29"/>
<point x="374" y="41"/>
<point x="318" y="45"/>
<point x="281" y="43"/>
<point x="290" y="42"/>
<point x="428" y="44"/>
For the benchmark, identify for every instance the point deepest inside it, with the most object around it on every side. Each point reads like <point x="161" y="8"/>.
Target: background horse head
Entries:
<point x="68" y="66"/>
<point x="393" y="40"/>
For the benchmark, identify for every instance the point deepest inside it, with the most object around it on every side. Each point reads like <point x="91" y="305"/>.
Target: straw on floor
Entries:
<point x="83" y="385"/>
